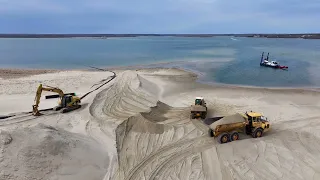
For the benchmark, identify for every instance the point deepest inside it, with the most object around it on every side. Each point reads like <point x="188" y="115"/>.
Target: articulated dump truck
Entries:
<point x="227" y="129"/>
<point x="199" y="109"/>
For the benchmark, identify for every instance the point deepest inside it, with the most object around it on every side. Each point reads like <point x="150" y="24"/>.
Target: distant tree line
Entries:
<point x="303" y="36"/>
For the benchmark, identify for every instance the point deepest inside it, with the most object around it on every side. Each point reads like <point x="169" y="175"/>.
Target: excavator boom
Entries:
<point x="35" y="110"/>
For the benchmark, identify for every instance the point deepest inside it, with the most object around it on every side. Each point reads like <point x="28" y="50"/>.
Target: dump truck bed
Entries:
<point x="235" y="118"/>
<point x="209" y="121"/>
<point x="227" y="124"/>
<point x="198" y="108"/>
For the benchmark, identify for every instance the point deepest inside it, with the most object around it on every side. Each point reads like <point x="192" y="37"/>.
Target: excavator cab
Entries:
<point x="65" y="100"/>
<point x="68" y="103"/>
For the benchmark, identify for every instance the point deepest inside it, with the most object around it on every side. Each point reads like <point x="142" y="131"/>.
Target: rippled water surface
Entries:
<point x="220" y="59"/>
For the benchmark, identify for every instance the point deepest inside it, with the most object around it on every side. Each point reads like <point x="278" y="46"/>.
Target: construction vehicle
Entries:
<point x="227" y="129"/>
<point x="66" y="103"/>
<point x="199" y="109"/>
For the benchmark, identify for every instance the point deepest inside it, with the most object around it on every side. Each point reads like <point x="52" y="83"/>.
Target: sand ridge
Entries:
<point x="138" y="127"/>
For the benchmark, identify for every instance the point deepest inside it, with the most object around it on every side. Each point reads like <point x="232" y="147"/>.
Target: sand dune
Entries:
<point x="138" y="127"/>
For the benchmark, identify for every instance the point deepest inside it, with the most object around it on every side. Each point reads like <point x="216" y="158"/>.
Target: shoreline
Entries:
<point x="105" y="36"/>
<point x="223" y="85"/>
<point x="15" y="73"/>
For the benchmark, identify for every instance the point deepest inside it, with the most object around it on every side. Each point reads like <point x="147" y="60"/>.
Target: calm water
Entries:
<point x="220" y="59"/>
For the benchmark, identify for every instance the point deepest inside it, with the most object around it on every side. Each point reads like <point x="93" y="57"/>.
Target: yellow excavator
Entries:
<point x="66" y="103"/>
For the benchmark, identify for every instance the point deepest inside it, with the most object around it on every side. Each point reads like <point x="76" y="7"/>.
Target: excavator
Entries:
<point x="67" y="103"/>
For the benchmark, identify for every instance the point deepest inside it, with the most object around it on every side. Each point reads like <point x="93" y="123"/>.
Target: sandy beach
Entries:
<point x="138" y="127"/>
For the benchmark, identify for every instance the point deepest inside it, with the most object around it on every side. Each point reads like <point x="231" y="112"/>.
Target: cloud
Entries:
<point x="165" y="16"/>
<point x="31" y="6"/>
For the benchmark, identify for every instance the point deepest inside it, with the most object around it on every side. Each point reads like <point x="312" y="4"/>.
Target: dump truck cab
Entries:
<point x="257" y="124"/>
<point x="199" y="101"/>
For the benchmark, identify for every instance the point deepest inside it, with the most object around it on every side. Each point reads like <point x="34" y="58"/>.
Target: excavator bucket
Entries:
<point x="37" y="114"/>
<point x="35" y="111"/>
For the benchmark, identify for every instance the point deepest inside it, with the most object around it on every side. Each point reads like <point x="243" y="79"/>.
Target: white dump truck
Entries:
<point x="199" y="109"/>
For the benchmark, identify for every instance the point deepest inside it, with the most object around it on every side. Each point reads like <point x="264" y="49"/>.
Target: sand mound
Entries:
<point x="5" y="138"/>
<point x="125" y="98"/>
<point x="156" y="113"/>
<point x="44" y="152"/>
<point x="163" y="85"/>
<point x="153" y="141"/>
<point x="150" y="87"/>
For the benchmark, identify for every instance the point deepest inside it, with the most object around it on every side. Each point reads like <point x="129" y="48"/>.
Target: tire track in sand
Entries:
<point x="179" y="156"/>
<point x="175" y="148"/>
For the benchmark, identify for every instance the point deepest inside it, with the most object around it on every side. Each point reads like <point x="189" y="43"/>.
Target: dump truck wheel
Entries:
<point x="210" y="132"/>
<point x="224" y="138"/>
<point x="257" y="133"/>
<point x="234" y="136"/>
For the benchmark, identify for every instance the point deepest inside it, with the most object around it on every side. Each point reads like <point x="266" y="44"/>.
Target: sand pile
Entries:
<point x="143" y="145"/>
<point x="122" y="99"/>
<point x="149" y="140"/>
<point x="44" y="152"/>
<point x="125" y="98"/>
<point x="157" y="113"/>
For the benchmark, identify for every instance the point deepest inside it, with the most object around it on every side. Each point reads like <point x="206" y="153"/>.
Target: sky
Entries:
<point x="159" y="16"/>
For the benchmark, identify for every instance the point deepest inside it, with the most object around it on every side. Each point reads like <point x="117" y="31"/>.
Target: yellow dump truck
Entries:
<point x="227" y="128"/>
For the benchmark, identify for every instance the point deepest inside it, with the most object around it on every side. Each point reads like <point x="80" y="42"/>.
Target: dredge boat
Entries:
<point x="273" y="64"/>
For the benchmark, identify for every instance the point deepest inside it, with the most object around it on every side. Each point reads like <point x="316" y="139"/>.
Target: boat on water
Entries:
<point x="273" y="64"/>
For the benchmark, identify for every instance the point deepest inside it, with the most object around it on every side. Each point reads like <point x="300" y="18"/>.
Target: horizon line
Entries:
<point x="155" y="33"/>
